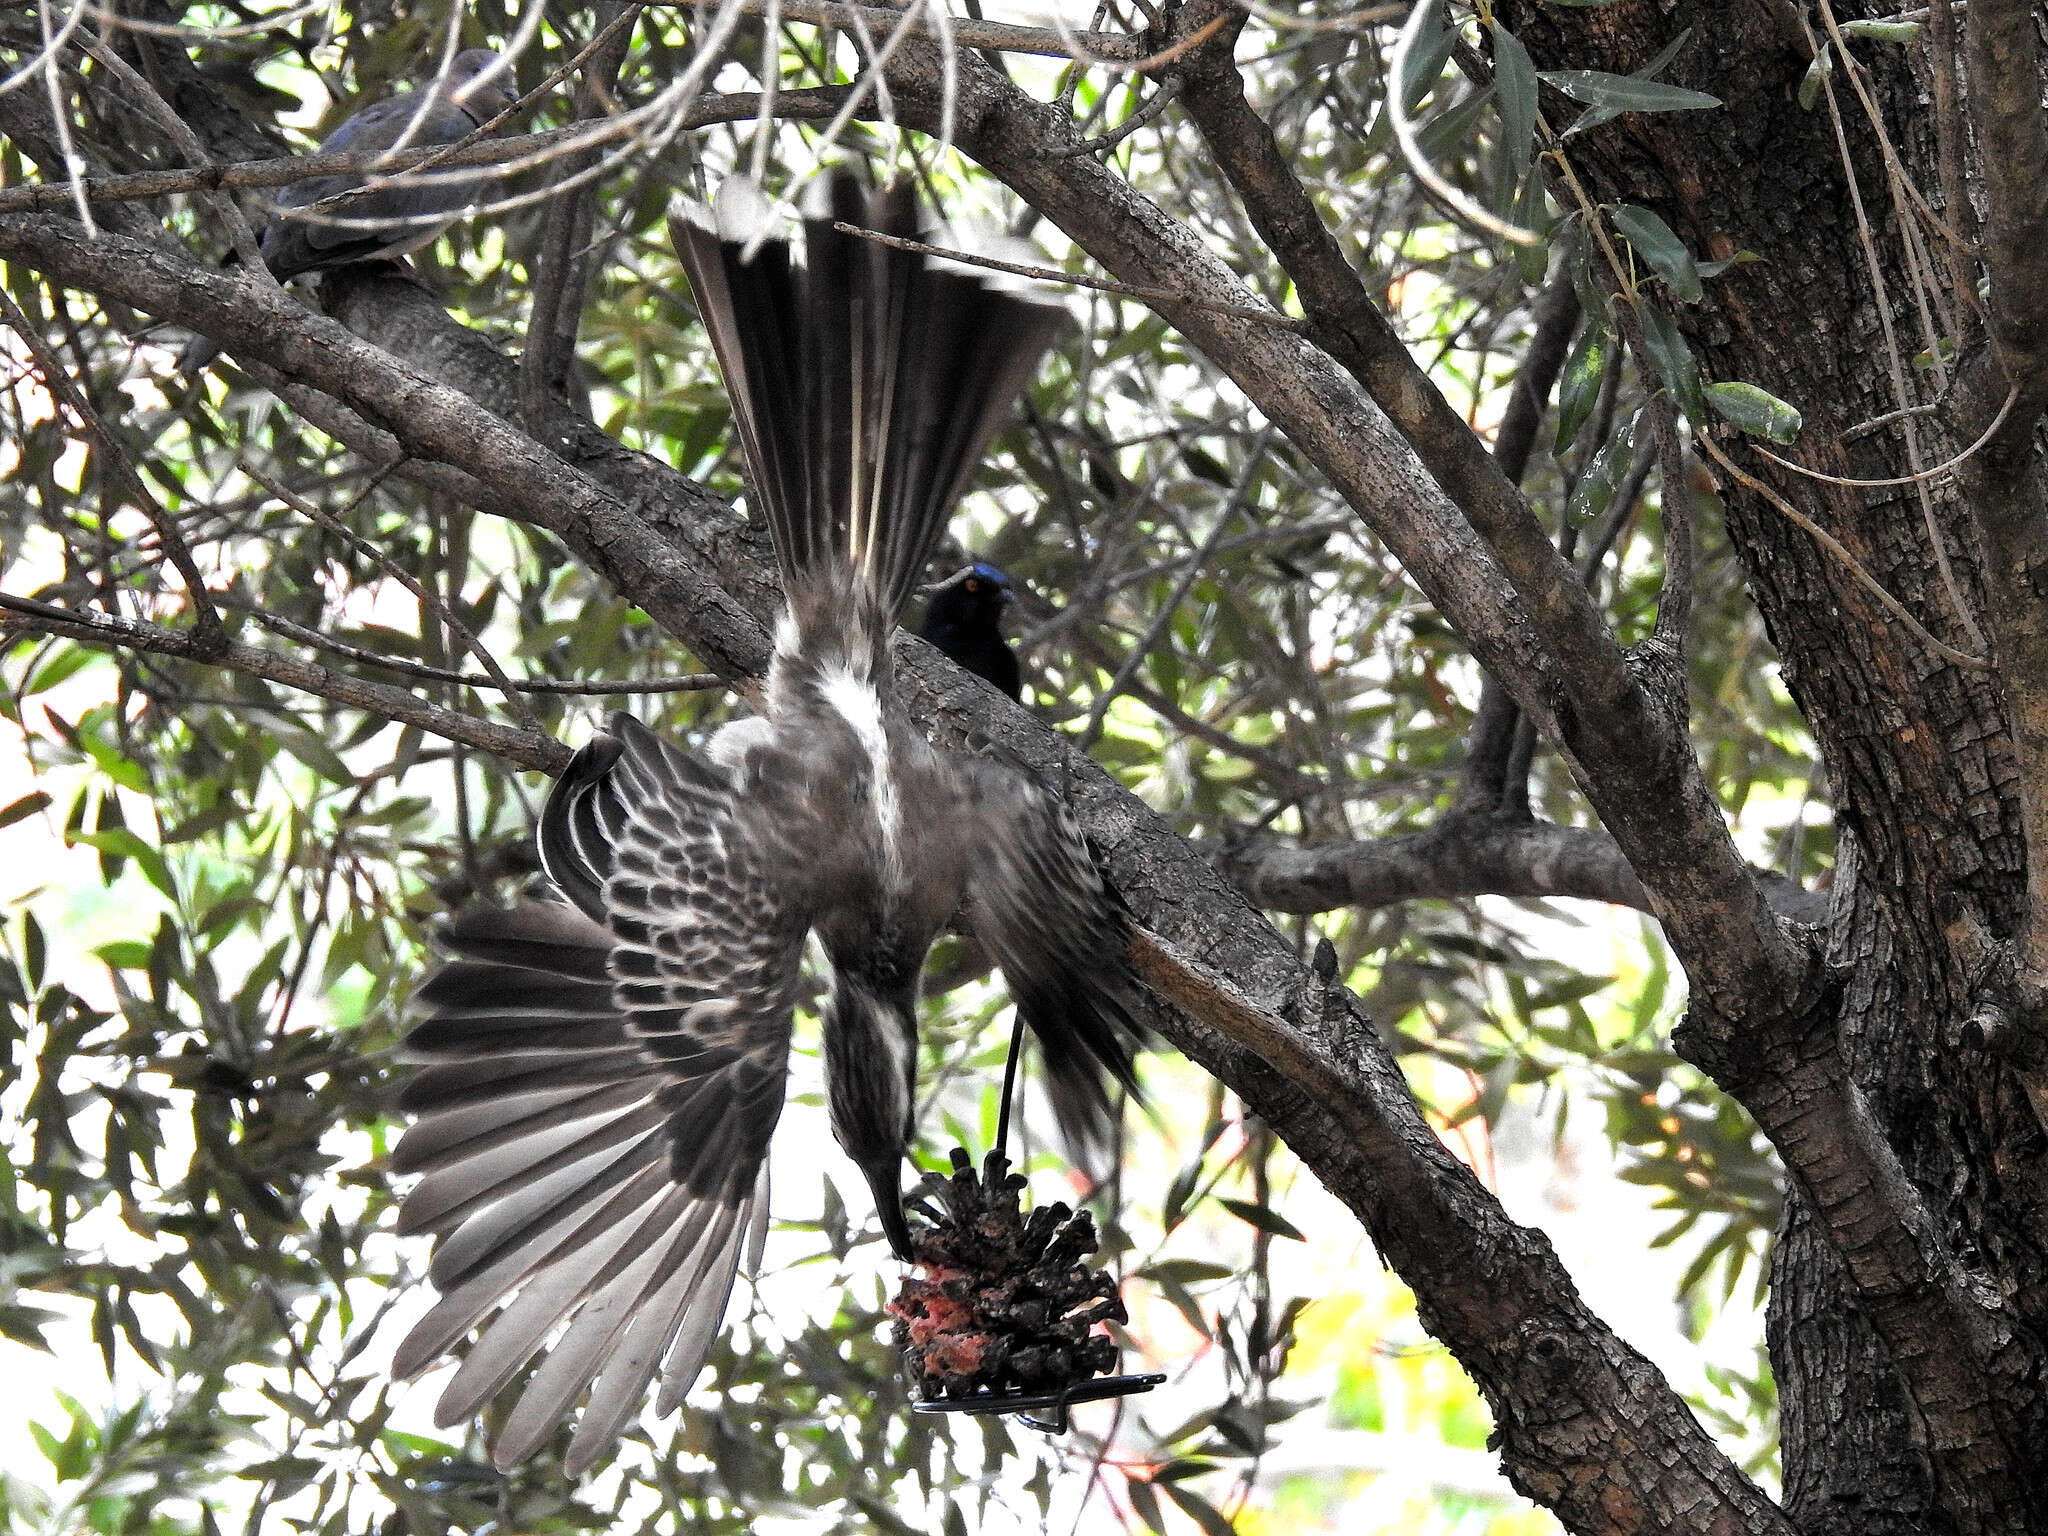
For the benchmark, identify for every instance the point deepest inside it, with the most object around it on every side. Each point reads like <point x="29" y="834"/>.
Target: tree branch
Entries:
<point x="57" y="197"/>
<point x="1951" y="1342"/>
<point x="524" y="479"/>
<point x="527" y="749"/>
<point x="207" y="636"/>
<point x="1461" y="856"/>
<point x="562" y="272"/>
<point x="1490" y="743"/>
<point x="1538" y="633"/>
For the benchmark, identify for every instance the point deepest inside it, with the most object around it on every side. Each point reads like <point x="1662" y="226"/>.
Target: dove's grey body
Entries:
<point x="394" y="220"/>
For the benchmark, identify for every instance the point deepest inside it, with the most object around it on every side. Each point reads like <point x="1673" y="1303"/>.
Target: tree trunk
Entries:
<point x="1917" y="751"/>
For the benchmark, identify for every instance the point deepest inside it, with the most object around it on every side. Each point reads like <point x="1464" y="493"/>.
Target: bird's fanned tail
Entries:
<point x="865" y="385"/>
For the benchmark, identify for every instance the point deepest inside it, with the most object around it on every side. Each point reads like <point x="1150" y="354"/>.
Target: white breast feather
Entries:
<point x="861" y="708"/>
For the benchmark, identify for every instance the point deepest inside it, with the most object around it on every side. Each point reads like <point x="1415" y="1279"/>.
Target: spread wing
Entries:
<point x="1042" y="910"/>
<point x="601" y="1079"/>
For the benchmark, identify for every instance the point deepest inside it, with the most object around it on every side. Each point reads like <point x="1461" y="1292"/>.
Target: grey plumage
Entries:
<point x="394" y="220"/>
<point x="602" y="1074"/>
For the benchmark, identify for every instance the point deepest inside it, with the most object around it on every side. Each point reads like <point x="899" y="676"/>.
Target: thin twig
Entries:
<point x="1947" y="466"/>
<point x="1103" y="143"/>
<point x="528" y="749"/>
<point x="428" y="599"/>
<point x="603" y="687"/>
<point x="240" y="235"/>
<point x="1142" y="648"/>
<point x="1078" y="280"/>
<point x="60" y="116"/>
<point x="1904" y="413"/>
<point x="484" y="130"/>
<point x="1449" y="198"/>
<point x="1834" y="546"/>
<point x="512" y="154"/>
<point x="1102" y="50"/>
<point x="561" y="271"/>
<point x="57" y="379"/>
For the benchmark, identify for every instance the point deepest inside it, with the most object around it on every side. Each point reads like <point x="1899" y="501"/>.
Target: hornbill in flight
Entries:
<point x="602" y="1071"/>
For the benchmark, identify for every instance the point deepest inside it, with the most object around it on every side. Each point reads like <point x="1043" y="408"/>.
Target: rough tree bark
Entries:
<point x="1919" y="756"/>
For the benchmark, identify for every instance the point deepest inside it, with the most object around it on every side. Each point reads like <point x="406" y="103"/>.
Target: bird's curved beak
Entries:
<point x="884" y="1178"/>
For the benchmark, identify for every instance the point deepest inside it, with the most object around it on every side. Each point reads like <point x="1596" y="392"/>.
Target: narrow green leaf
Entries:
<point x="1426" y="59"/>
<point x="35" y="950"/>
<point x="1579" y="387"/>
<point x="1186" y="1271"/>
<point x="1590" y="281"/>
<point x="1265" y="1218"/>
<point x="1184" y="1303"/>
<point x="1883" y="31"/>
<point x="1755" y="411"/>
<point x="1206" y="1515"/>
<point x="1626" y="93"/>
<point x="1532" y="211"/>
<point x="1515" y="74"/>
<point x="1673" y="358"/>
<point x="1444" y="133"/>
<point x="1595" y="489"/>
<point x="1815" y="80"/>
<point x="1664" y="251"/>
<point x="24" y="808"/>
<point x="1712" y="269"/>
<point x="1662" y="61"/>
<point x="125" y="954"/>
<point x="1593" y="117"/>
<point x="1146" y="1503"/>
<point x="314" y="753"/>
<point x="1569" y="992"/>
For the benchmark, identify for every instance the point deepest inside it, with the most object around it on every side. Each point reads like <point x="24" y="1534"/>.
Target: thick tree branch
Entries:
<point x="1462" y="856"/>
<point x="1626" y="741"/>
<point x="1951" y="1341"/>
<point x="2005" y="99"/>
<point x="1306" y="1059"/>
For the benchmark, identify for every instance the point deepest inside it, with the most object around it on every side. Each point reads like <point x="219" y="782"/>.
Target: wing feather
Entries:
<point x="1043" y="911"/>
<point x="601" y="1081"/>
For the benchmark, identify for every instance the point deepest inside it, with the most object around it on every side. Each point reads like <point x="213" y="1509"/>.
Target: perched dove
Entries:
<point x="393" y="220"/>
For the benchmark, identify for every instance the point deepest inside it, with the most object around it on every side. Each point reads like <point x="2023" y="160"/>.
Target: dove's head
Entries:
<point x="480" y="82"/>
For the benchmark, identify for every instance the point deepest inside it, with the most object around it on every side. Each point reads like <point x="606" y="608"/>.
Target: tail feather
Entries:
<point x="864" y="385"/>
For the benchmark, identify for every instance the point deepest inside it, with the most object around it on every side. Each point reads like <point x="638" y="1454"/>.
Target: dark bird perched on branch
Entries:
<point x="604" y="1072"/>
<point x="391" y="221"/>
<point x="964" y="619"/>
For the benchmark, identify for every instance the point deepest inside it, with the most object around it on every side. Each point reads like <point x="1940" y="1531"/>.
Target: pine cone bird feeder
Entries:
<point x="1003" y="1317"/>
